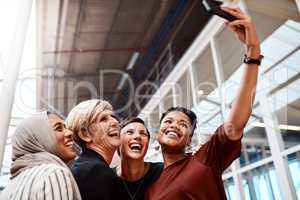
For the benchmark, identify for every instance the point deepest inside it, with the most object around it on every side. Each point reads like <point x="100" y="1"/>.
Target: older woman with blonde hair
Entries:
<point x="96" y="131"/>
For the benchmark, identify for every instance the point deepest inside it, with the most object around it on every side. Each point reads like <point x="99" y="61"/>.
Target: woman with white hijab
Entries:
<point x="41" y="147"/>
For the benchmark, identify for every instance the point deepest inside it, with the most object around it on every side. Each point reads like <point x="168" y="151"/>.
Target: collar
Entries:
<point x="93" y="154"/>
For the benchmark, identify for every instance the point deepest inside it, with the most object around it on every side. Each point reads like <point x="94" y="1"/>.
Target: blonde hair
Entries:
<point x="83" y="115"/>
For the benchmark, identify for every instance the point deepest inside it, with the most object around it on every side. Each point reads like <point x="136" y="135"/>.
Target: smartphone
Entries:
<point x="214" y="7"/>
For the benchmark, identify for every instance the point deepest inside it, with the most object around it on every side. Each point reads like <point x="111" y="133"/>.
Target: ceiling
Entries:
<point x="86" y="46"/>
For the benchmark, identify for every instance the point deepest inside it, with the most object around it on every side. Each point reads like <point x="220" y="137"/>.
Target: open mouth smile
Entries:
<point x="172" y="134"/>
<point x="69" y="143"/>
<point x="135" y="147"/>
<point x="114" y="133"/>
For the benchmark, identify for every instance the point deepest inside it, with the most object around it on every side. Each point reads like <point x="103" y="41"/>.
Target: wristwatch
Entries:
<point x="249" y="60"/>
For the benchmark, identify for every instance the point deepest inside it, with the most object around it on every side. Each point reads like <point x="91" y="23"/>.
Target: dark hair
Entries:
<point x="189" y="113"/>
<point x="135" y="120"/>
<point x="48" y="112"/>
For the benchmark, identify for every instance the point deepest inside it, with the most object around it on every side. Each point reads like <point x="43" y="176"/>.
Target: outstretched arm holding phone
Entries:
<point x="245" y="30"/>
<point x="199" y="176"/>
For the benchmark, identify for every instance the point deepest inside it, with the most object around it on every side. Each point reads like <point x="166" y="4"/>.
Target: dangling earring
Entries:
<point x="157" y="148"/>
<point x="188" y="149"/>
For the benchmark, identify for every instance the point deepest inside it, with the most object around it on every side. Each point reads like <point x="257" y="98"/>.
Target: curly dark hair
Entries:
<point x="189" y="113"/>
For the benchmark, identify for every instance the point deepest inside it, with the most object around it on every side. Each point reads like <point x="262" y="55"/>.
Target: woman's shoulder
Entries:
<point x="50" y="174"/>
<point x="35" y="179"/>
<point x="156" y="165"/>
<point x="43" y="170"/>
<point x="48" y="169"/>
<point x="155" y="169"/>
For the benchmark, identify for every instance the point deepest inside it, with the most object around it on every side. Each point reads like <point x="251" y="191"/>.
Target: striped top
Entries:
<point x="43" y="182"/>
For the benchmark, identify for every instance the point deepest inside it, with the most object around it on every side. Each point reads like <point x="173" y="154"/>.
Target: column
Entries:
<point x="276" y="146"/>
<point x="218" y="69"/>
<point x="13" y="63"/>
<point x="193" y="84"/>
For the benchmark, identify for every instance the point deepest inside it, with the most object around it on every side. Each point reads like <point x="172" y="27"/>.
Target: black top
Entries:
<point x="95" y="179"/>
<point x="136" y="190"/>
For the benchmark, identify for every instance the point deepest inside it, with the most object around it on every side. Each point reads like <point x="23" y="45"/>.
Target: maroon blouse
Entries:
<point x="199" y="176"/>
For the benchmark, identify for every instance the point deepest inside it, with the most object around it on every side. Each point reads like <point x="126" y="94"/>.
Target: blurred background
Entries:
<point x="145" y="56"/>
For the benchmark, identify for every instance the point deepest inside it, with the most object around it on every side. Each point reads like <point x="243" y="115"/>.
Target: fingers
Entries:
<point x="243" y="26"/>
<point x="233" y="28"/>
<point x="235" y="9"/>
<point x="235" y="12"/>
<point x="238" y="23"/>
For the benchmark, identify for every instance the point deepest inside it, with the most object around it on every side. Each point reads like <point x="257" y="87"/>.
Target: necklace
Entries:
<point x="132" y="196"/>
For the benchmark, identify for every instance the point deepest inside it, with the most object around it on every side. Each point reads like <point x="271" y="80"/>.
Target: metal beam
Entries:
<point x="282" y="59"/>
<point x="62" y="22"/>
<point x="276" y="145"/>
<point x="285" y="84"/>
<point x="191" y="54"/>
<point x="80" y="15"/>
<point x="277" y="9"/>
<point x="238" y="181"/>
<point x="219" y="73"/>
<point x="298" y="4"/>
<point x="174" y="94"/>
<point x="193" y="84"/>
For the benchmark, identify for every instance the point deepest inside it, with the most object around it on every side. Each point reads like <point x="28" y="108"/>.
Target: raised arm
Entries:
<point x="242" y="105"/>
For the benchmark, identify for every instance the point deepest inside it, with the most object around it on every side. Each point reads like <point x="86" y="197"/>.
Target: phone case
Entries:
<point x="214" y="7"/>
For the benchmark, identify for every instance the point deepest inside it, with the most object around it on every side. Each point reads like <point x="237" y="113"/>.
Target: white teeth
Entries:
<point x="135" y="146"/>
<point x="69" y="143"/>
<point x="172" y="134"/>
<point x="114" y="133"/>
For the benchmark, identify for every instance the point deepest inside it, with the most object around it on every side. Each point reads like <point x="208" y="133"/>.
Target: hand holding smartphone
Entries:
<point x="214" y="7"/>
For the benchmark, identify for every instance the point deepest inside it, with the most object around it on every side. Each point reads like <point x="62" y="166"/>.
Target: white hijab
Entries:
<point x="34" y="143"/>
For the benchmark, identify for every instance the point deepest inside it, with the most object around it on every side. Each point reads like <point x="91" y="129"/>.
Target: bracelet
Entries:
<point x="248" y="60"/>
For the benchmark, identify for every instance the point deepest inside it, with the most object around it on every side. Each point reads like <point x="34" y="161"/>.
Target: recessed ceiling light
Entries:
<point x="200" y="92"/>
<point x="133" y="60"/>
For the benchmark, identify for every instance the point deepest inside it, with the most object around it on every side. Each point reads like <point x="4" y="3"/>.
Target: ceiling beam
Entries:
<point x="278" y="8"/>
<point x="80" y="15"/>
<point x="109" y="33"/>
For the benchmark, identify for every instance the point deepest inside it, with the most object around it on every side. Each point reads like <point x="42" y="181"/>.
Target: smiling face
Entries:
<point x="105" y="131"/>
<point x="134" y="141"/>
<point x="63" y="137"/>
<point x="175" y="132"/>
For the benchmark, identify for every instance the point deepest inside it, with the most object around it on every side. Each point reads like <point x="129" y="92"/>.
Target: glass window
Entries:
<point x="167" y="101"/>
<point x="209" y="118"/>
<point x="206" y="111"/>
<point x="255" y="146"/>
<point x="154" y="121"/>
<point x="231" y="52"/>
<point x="294" y="166"/>
<point x="184" y="91"/>
<point x="204" y="74"/>
<point x="261" y="183"/>
<point x="286" y="106"/>
<point x="230" y="189"/>
<point x="228" y="170"/>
